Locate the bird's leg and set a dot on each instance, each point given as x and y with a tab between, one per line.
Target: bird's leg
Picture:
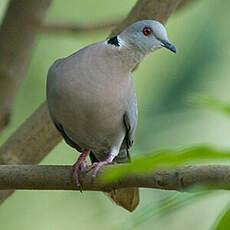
97	165
80	165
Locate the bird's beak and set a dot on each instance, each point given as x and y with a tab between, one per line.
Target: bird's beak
168	45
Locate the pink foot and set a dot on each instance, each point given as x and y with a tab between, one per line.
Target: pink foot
97	165
80	165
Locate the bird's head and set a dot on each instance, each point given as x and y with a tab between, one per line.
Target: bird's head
146	35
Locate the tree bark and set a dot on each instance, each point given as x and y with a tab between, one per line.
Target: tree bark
17	35
159	10
60	27
58	178
36	134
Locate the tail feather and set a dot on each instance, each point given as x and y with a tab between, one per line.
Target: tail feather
128	198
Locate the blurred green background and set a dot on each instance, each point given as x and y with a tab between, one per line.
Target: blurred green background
164	84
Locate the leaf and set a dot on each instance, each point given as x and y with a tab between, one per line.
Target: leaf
166	159
210	102
223	220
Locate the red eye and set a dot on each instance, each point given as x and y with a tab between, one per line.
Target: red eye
147	31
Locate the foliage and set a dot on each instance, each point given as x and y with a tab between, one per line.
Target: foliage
223	220
168	158
211	103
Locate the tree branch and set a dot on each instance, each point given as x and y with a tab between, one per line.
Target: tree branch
36	135
58	178
159	10
60	27
17	36
54	27
145	9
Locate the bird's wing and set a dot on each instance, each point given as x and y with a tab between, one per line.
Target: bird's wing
130	122
53	71
67	139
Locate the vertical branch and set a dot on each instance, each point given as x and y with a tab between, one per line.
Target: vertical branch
17	35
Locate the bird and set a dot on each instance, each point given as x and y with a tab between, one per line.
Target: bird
92	101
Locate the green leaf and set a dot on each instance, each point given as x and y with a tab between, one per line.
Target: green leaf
166	159
223	220
210	102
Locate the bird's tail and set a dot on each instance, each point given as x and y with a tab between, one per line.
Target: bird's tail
128	198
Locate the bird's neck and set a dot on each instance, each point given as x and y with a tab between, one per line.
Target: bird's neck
128	55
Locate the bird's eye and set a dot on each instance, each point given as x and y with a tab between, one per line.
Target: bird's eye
147	31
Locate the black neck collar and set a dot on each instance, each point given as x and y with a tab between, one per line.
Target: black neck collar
114	41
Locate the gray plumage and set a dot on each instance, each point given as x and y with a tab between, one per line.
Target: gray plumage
90	104
91	95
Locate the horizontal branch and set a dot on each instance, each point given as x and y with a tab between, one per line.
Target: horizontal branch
55	27
58	178
65	27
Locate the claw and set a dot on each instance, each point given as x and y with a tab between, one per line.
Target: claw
79	187
79	166
97	165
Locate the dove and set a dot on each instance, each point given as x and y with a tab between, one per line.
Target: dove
92	101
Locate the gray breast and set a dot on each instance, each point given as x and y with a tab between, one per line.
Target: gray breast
89	100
